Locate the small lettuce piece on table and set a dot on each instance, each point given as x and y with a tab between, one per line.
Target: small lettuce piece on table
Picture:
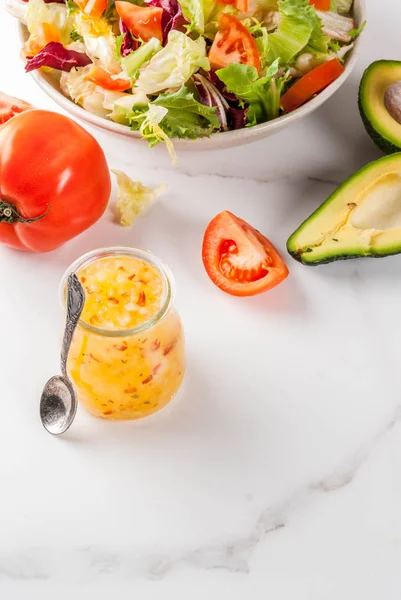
134	198
174	64
261	94
298	25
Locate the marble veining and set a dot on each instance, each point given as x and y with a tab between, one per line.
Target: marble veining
231	555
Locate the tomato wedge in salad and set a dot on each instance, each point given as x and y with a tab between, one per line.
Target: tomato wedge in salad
233	44
239	259
312	83
10	106
144	22
102	78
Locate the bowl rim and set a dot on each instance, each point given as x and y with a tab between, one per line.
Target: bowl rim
219	139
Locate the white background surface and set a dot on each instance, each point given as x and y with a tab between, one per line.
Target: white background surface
277	472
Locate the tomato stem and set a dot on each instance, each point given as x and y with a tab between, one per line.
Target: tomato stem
9	214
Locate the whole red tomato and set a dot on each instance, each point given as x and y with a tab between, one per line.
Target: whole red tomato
54	181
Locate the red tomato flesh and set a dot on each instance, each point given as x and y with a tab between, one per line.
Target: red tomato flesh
312	83
9	107
239	259
321	4
144	22
233	44
102	78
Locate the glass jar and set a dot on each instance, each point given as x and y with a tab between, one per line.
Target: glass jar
127	357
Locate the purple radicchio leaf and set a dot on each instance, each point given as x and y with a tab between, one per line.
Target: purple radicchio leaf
172	16
129	44
229	96
236	117
236	114
209	95
54	55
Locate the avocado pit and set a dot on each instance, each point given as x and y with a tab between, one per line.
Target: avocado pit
392	100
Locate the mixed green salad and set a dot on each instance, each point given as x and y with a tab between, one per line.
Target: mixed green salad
188	68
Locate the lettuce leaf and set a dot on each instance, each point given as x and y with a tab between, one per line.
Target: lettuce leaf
197	13
298	25
186	117
39	12
134	198
90	96
17	8
127	108
171	115
174	64
341	6
262	94
179	114
99	40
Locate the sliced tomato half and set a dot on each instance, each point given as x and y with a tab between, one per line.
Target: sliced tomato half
233	44
239	259
102	78
310	84
9	107
144	22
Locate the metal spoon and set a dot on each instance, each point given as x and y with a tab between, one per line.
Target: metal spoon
58	403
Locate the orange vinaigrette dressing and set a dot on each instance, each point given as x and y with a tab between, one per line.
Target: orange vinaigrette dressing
127	357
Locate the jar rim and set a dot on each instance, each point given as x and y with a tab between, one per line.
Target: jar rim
145	255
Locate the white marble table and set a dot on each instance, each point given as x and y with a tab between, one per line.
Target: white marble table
277	472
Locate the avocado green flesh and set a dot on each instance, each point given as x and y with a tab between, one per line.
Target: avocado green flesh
384	130
361	218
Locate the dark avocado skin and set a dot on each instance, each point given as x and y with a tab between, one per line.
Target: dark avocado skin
381	142
326	261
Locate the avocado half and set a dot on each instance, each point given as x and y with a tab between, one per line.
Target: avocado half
383	128
361	218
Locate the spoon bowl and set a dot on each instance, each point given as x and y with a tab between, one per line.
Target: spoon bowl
58	405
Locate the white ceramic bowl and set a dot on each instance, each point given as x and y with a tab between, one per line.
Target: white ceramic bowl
49	82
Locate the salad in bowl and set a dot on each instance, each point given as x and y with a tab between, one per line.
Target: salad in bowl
188	68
